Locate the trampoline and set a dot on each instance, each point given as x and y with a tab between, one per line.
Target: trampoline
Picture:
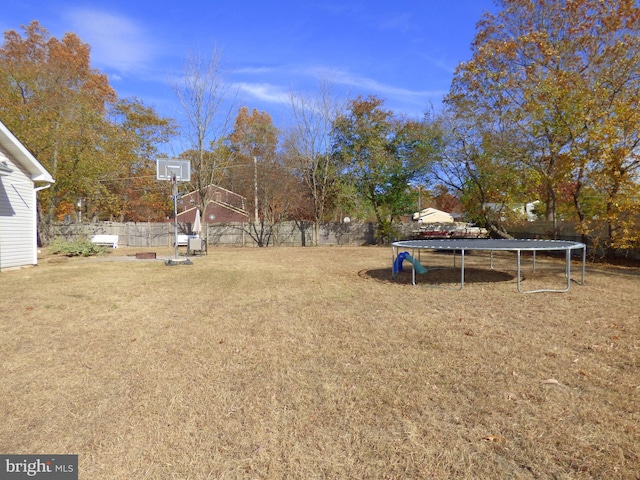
490	245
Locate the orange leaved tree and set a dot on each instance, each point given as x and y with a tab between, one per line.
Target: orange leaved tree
558	83
66	113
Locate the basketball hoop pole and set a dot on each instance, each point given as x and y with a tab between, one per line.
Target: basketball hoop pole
174	182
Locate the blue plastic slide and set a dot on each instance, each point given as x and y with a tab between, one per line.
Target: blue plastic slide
417	266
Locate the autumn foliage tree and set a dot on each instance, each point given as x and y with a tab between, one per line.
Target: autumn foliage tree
477	164
55	103
557	83
129	189
253	141
259	174
382	154
60	108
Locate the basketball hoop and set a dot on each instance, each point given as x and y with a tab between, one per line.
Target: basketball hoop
174	170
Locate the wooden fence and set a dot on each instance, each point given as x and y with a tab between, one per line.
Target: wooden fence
222	234
284	234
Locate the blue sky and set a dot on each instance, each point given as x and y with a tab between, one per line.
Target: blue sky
404	51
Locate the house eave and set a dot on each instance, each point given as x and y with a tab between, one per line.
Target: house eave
18	151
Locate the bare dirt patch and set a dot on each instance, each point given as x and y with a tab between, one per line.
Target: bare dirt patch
313	363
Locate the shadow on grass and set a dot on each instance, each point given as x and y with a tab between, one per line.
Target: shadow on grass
440	275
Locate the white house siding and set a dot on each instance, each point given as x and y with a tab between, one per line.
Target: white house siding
17	216
432	215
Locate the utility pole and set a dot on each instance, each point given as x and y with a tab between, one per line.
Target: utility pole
255	188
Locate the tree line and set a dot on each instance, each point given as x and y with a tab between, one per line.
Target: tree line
545	111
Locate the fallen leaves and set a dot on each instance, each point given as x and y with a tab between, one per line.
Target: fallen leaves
495	439
551	381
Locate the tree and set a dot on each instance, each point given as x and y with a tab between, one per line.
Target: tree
60	108
55	103
258	173
563	79
129	189
202	93
476	163
382	154
444	200
308	148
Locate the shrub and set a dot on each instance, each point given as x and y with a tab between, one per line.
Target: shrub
386	232
75	248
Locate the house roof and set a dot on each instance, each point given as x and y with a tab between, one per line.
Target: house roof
214	187
19	153
430	212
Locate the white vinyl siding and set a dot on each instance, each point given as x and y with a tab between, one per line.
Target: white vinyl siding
17	217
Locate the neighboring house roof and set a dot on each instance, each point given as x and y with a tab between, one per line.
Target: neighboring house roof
433	215
21	155
222	206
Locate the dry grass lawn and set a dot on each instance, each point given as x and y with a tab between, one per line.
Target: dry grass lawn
307	363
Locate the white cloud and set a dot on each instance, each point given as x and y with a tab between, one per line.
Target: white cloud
117	42
364	83
254	70
264	91
278	89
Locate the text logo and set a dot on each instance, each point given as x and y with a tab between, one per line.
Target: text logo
45	467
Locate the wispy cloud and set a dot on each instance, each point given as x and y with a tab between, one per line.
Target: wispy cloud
117	42
254	70
402	23
332	75
277	90
440	63
265	92
368	84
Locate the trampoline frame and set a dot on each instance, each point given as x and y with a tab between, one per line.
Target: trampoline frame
491	245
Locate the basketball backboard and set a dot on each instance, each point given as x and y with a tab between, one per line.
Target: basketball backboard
166	168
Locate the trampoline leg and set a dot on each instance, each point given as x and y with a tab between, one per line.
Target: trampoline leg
518	270
413	268
567	275
534	260
393	261
462	270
